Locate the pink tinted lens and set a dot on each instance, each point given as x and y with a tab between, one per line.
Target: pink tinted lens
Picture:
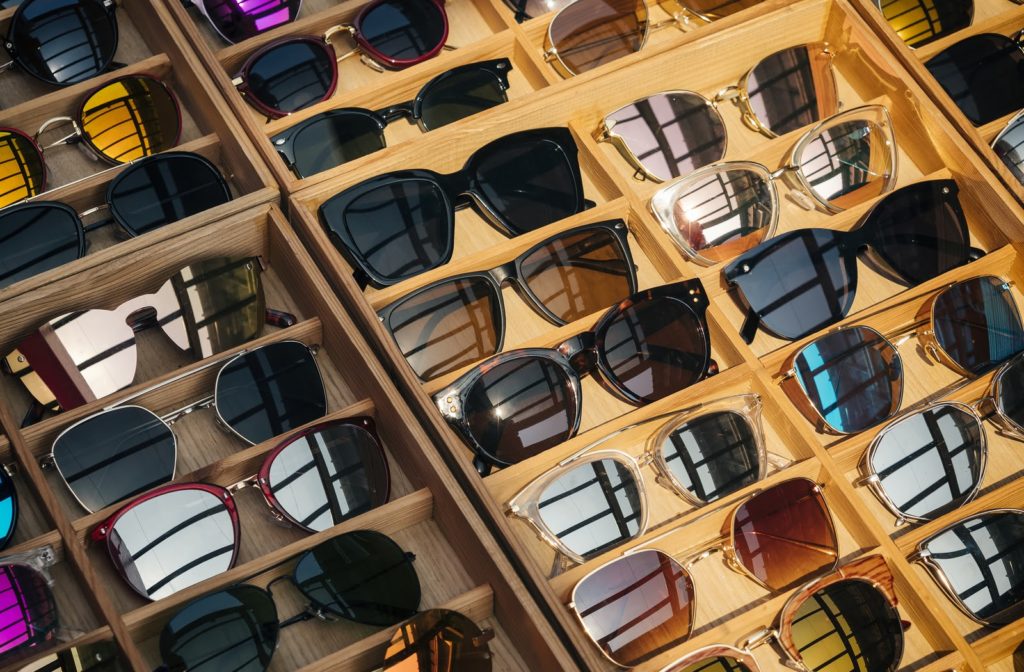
237	20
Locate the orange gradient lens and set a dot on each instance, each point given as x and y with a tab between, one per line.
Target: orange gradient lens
131	118
22	174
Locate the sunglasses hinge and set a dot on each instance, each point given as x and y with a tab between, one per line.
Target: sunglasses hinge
4	67
252	481
46	463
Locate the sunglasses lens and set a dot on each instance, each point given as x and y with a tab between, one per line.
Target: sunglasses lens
463	93
331	139
919	22
980	74
115	455
28	608
270	390
438	639
847	163
329	475
793	88
291	76
1010	394
852	377
977	324
22	174
63	42
931	462
167	542
363	576
130	118
983	561
165	188
713	455
37	237
671	134
593	507
1010	147
239	20
403	31
637	606
8	509
232	629
588	34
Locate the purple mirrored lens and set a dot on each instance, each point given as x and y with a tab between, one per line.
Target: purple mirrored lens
237	20
28	614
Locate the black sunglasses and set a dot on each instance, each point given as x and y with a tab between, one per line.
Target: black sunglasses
805	280
397	225
522	402
983	74
335	137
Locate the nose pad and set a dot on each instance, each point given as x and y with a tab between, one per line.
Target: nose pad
142	319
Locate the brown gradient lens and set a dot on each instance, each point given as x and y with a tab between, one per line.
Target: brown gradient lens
579	274
448	326
636	607
784	534
710	9
590	33
438	639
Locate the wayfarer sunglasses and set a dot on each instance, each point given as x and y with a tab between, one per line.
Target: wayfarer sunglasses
983	75
394	226
919	22
237	20
454	322
520	403
335	137
27	602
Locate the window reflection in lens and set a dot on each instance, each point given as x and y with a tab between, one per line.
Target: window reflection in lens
713	455
793	88
977	324
590	33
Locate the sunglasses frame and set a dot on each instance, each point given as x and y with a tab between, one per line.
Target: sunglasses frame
710	652
201	8
37	561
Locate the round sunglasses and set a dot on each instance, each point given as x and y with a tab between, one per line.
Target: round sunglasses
237	20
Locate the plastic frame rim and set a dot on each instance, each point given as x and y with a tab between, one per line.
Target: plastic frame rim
388	61
241	80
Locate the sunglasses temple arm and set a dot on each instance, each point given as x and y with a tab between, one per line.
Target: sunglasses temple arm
4	67
750	324
280	318
219	361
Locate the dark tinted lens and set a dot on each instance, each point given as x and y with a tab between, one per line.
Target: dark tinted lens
328	475
363	576
164	188
919	22
713	455
114	455
848	163
63	41
8	509
22	173
982	558
448	326
590	33
1010	393
976	322
237	21
270	391
1008	146
982	74
793	88
930	462
671	134
403	29
852	377
798	282
637	606
28	612
233	629
36	237
291	75
438	639
521	407
654	347
593	507
461	93
330	139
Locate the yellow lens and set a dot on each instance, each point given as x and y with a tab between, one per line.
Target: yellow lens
21	168
131	118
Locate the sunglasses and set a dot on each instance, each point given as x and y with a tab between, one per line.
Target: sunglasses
237	20
520	403
9	508
62	42
852	379
919	22
293	73
418	643
205	308
335	137
673	133
454	322
977	563
981	73
802	281
27	602
397	225
1007	146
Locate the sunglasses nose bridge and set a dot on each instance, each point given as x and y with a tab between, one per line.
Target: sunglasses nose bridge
400	111
581	351
68	139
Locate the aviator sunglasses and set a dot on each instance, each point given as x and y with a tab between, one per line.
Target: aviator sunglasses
237	20
983	75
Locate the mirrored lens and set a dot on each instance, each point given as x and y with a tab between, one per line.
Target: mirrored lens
670	134
977	324
37	237
460	93
270	390
982	559
403	30
438	639
593	507
919	22
847	163
719	215
28	612
327	475
238	20
166	542
22	173
712	455
852	377
363	576
636	607
930	462
1009	146
130	118
590	33
8	509
793	88
233	629
114	455
63	42
291	75
981	74
164	188
331	139
1010	393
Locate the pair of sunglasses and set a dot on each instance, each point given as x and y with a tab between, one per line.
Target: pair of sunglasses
454	322
919	22
1008	143
27	602
982	74
335	137
293	73
236	21
125	450
852	379
520	403
805	280
397	225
